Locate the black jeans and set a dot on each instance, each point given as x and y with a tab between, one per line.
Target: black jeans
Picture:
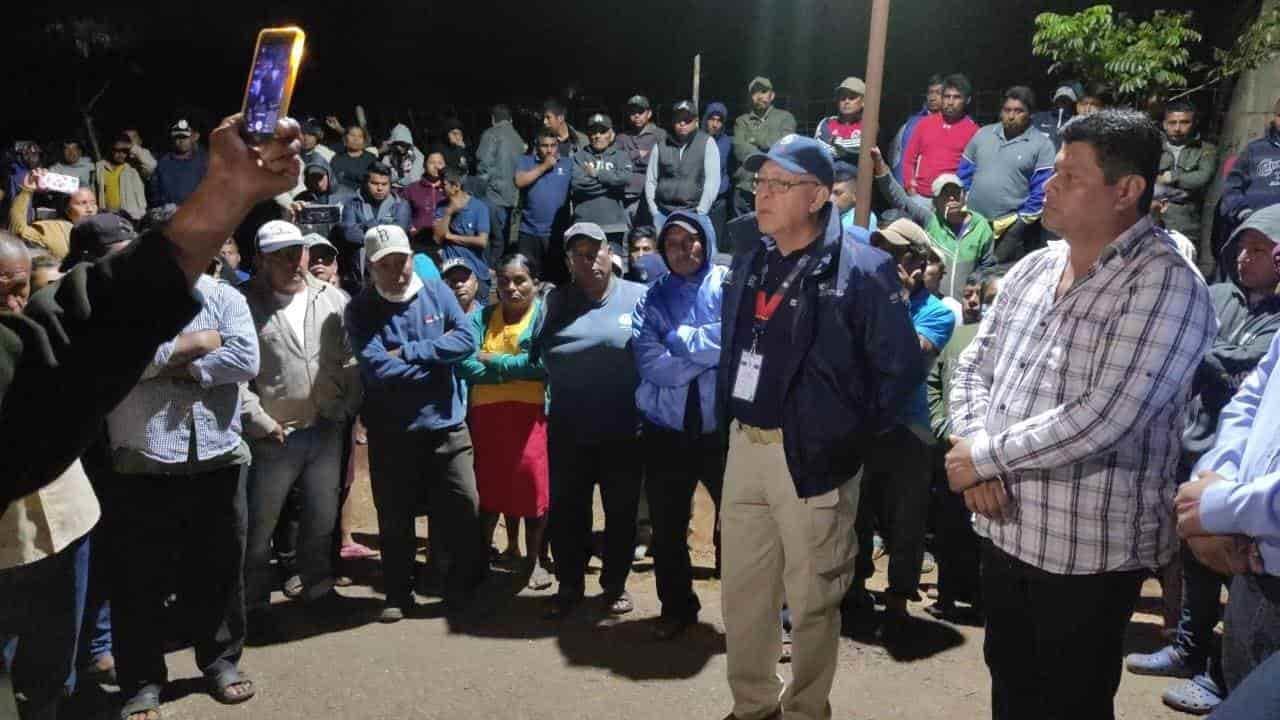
1054	642
402	465
1201	610
188	527
895	500
575	469
955	544
675	465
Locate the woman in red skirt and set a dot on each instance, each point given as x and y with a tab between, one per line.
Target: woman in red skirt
507	417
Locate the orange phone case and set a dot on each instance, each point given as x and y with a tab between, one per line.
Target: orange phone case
296	39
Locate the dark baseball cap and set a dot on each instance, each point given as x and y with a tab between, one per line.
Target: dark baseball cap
684	108
638	102
799	155
600	120
91	237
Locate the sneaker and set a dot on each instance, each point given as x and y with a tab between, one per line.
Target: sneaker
540	578
619	603
1168	661
391	614
670	627
928	564
293	587
560	606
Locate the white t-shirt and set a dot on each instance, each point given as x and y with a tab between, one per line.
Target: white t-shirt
295	315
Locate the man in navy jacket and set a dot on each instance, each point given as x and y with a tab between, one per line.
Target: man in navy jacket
407	335
818	357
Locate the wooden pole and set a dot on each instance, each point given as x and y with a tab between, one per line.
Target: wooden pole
697	78
871	107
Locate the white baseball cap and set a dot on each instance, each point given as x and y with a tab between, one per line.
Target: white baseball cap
278	235
314	239
945	179
383	240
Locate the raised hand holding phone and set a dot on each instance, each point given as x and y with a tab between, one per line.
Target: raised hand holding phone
269	88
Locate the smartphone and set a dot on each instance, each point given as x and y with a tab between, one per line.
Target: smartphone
320	214
55	182
276	58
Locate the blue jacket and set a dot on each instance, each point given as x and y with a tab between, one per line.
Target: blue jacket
676	331
174	180
856	361
724	143
359	214
418	390
1254	181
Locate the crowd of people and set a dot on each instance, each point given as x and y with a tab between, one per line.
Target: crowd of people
1036	364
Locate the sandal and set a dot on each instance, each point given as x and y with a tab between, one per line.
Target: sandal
1197	696
220	686
144	702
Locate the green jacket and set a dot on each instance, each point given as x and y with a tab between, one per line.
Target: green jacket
938	383
1191	174
502	368
757	133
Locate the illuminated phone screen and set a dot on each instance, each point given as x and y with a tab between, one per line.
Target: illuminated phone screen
268	81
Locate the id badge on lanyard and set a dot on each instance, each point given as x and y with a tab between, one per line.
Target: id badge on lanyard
749	364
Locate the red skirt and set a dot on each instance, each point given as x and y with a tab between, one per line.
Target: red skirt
510	440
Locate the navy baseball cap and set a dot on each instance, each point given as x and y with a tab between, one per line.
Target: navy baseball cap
797	154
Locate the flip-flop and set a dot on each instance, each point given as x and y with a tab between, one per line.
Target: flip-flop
146	700
220	686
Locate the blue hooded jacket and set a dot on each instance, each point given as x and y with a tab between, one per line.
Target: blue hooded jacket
724	143
676	336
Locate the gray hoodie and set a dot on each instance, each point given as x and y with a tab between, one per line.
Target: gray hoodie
1244	335
600	197
406	166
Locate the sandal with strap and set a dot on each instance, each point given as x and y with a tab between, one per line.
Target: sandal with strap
221	683
145	701
1197	696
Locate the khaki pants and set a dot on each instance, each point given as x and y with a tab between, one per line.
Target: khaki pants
777	545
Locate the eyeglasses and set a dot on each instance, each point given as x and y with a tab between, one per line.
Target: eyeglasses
777	186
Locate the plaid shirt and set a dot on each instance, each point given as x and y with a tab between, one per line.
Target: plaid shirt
1078	402
159	416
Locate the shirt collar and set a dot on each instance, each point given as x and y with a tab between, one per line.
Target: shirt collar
1128	240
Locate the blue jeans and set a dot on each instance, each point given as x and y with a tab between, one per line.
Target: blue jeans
1257	697
91	591
308	459
1252	628
39	604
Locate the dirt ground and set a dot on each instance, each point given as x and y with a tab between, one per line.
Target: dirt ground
517	665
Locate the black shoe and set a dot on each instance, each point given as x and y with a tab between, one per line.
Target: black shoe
670	627
894	625
560	606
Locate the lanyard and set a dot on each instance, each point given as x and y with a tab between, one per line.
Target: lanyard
765	308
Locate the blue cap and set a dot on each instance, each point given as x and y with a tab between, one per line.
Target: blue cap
799	155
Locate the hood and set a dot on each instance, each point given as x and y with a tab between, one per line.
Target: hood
1265	221
400	133
319	162
703	223
716	108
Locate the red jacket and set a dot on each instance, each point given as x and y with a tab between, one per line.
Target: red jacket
935	148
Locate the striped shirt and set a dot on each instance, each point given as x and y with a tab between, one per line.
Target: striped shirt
160	416
1078	402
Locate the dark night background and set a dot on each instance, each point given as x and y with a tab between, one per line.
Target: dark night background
435	58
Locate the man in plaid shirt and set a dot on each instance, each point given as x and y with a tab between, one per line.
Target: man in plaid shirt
1068	408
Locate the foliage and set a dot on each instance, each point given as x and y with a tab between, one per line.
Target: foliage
1140	60
1133	58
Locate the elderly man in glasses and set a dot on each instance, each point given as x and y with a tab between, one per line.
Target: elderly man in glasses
818	357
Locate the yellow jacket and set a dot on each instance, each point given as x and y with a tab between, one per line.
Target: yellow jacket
53	236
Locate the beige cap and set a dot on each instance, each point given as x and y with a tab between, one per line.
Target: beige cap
904	233
762	82
853	85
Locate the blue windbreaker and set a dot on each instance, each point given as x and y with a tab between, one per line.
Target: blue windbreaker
676	331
